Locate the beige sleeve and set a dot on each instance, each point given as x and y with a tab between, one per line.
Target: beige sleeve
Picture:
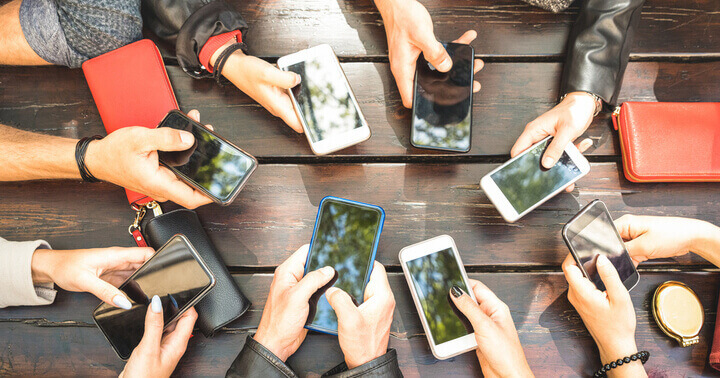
16	284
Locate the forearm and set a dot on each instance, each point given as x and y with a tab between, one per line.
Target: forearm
31	156
707	242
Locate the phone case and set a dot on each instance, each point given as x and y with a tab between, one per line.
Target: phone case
225	302
310	326
131	88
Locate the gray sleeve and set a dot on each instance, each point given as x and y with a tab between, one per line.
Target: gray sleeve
16	284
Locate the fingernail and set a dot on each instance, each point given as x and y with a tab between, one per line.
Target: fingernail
445	65
186	138
602	260
331	290
328	271
122	302
298	79
548	162
456	291
156	305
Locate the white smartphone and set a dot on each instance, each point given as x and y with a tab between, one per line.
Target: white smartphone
324	102
432	268
522	184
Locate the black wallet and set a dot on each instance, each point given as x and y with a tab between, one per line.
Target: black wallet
225	302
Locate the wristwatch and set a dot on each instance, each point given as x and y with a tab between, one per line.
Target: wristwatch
596	98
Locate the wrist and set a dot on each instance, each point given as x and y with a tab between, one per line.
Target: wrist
353	362
706	240
220	50
41	266
588	102
620	349
386	7
93	162
270	344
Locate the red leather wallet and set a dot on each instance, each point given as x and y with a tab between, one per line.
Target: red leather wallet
669	141
131	88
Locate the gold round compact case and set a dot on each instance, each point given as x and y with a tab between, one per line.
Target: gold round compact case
678	312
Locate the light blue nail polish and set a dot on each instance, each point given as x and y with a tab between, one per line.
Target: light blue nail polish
122	302
156	305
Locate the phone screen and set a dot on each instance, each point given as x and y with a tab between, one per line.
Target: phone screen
323	97
594	234
173	274
211	163
432	276
442	106
525	182
345	238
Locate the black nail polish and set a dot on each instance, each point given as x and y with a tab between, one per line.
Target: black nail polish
456	291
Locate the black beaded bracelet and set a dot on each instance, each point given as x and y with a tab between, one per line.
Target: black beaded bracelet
80	151
642	356
222	59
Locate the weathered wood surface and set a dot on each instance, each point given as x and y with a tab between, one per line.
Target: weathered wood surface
62	338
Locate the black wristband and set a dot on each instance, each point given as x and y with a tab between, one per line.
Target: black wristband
643	356
222	59
80	151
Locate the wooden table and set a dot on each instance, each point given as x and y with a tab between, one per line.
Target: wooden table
676	57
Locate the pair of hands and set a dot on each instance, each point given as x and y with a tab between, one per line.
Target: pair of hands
100	272
363	331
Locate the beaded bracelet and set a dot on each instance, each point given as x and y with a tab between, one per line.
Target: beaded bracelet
642	356
80	150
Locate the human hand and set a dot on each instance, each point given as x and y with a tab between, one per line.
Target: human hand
281	328
364	331
565	122
499	350
96	271
409	31
157	355
609	316
128	157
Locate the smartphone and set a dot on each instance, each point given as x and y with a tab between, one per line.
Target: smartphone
591	233
175	273
345	237
324	102
522	184
442	104
431	268
212	165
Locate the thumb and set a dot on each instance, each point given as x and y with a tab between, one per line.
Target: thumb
341	302
106	292
168	139
614	287
556	148
436	54
279	78
154	324
469	308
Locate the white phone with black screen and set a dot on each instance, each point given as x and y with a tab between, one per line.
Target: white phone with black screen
522	183
432	268
324	102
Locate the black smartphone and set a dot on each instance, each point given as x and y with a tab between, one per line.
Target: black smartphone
345	237
212	165
442	103
591	233
175	273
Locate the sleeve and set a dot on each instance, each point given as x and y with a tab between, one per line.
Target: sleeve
599	47
383	366
255	361
16	284
190	24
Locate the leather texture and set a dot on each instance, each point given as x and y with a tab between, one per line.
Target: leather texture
225	302
670	141
255	361
131	88
599	47
189	24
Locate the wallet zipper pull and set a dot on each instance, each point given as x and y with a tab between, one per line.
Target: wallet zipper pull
615	118
155	207
134	229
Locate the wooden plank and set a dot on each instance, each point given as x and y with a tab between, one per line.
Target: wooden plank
57	101
276	211
506	28
62	340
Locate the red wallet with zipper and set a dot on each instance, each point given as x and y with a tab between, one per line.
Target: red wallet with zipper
131	88
669	141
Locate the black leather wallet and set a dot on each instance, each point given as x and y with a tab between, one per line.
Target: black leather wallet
225	302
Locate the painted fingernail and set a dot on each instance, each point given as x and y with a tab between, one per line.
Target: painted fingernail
328	271
186	138
156	305
548	162
445	65
122	302
456	291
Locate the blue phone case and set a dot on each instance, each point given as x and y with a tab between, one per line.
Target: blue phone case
374	251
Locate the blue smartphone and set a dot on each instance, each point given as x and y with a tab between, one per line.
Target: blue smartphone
345	237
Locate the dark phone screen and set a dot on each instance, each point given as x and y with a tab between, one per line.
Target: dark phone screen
594	234
432	276
525	182
443	101
173	274
211	163
324	99
345	240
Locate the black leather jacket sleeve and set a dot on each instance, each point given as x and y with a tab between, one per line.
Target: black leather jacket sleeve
189	24
599	47
383	366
